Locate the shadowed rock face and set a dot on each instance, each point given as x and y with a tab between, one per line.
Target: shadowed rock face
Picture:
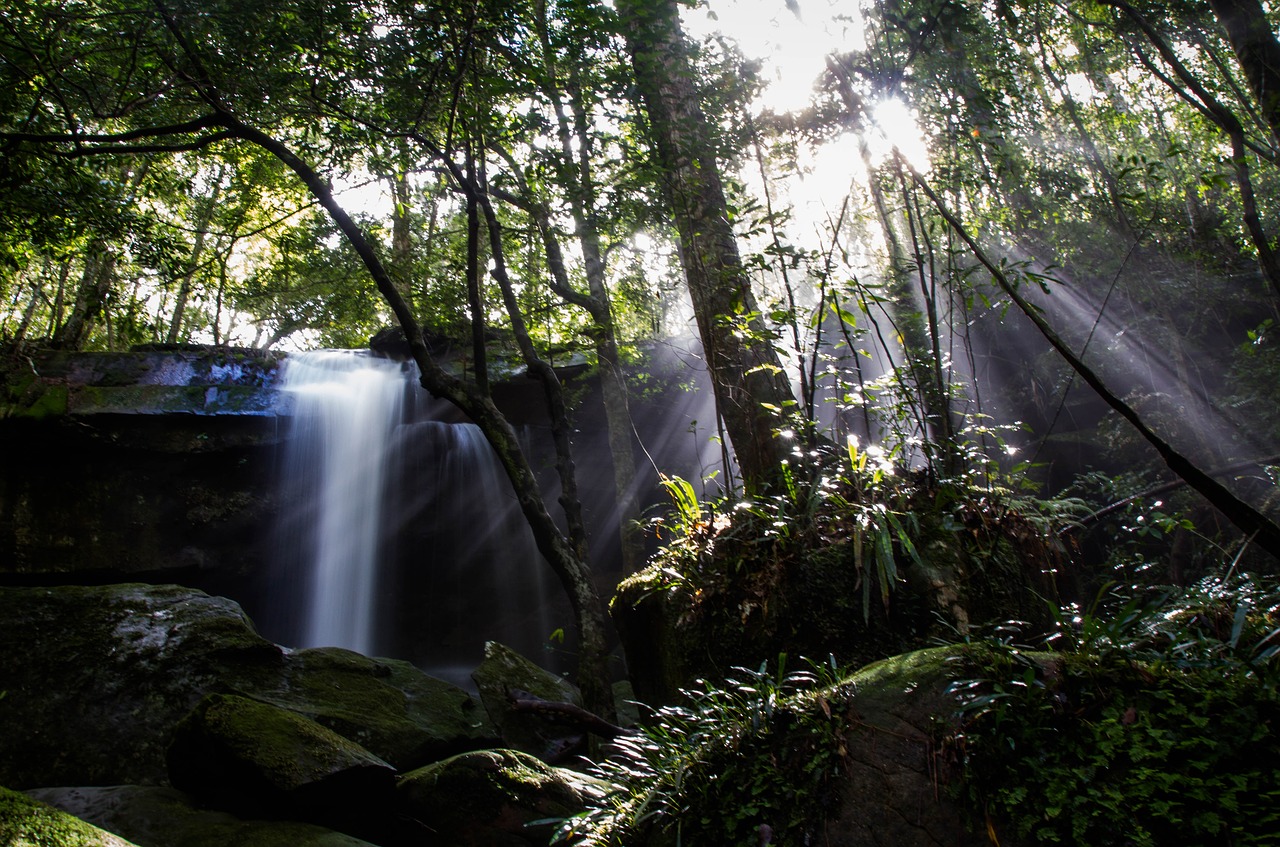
136	464
98	677
135	686
494	797
894	791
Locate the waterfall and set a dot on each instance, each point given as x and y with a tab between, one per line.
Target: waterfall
399	533
346	410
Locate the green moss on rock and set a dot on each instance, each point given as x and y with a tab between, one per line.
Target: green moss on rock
387	706
493	797
165	817
252	755
25	822
106	672
505	671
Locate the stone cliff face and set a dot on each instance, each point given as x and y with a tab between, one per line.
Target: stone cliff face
164	465
129	464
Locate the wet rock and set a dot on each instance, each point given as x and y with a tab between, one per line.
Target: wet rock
153	816
240	754
105	673
26	822
492	798
505	675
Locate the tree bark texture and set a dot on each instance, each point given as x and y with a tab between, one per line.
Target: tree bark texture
1257	50
745	369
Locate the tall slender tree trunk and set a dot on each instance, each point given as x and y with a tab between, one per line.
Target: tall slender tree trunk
581	185
203	218
401	260
91	293
98	276
746	373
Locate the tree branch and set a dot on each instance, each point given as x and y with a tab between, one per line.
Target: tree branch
1246	518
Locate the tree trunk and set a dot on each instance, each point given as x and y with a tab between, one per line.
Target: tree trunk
581	188
401	240
1257	50
746	373
197	251
1255	526
95	282
565	560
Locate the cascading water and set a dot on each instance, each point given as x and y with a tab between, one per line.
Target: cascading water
399	534
346	409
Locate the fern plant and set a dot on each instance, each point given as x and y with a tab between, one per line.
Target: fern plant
752	751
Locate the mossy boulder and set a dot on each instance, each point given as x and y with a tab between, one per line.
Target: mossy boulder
387	706
26	822
492	798
103	673
97	678
855	763
153	816
235	752
505	675
891	790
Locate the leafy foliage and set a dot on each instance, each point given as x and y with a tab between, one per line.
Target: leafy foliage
761	748
1154	723
853	556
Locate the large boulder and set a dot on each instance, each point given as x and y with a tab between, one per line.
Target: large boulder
26	822
890	792
105	672
152	816
504	677
245	755
853	764
492	798
391	708
99	676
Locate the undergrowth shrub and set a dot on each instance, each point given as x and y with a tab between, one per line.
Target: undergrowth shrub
1156	721
762	749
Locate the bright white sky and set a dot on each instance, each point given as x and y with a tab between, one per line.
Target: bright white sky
793	38
793	42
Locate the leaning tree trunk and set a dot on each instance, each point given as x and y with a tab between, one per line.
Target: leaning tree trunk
746	373
564	556
1255	526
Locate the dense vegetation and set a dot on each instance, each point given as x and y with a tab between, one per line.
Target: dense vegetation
1025	347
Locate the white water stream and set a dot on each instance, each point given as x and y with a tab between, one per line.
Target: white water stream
347	408
399	533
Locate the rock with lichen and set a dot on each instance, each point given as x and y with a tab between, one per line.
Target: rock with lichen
156	816
505	676
492	797
99	676
27	822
